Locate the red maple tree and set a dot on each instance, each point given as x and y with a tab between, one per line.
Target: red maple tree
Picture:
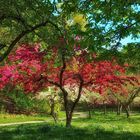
34	70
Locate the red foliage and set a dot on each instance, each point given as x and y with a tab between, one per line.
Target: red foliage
33	70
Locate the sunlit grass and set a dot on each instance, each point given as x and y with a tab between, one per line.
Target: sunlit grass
12	118
100	127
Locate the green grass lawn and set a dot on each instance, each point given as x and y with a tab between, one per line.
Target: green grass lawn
11	118
100	127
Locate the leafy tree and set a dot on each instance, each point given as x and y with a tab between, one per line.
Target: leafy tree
35	70
51	102
101	23
130	54
125	99
15	101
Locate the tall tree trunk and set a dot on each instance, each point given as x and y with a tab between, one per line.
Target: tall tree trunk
68	119
68	109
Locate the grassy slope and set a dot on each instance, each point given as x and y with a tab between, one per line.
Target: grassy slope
100	127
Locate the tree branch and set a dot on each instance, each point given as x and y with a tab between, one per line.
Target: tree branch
2	46
17	39
22	34
62	70
79	93
119	34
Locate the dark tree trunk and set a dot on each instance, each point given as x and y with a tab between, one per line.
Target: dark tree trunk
89	113
104	104
68	120
118	108
127	113
89	110
126	110
69	109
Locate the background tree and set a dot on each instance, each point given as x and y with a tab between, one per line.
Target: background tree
126	99
53	101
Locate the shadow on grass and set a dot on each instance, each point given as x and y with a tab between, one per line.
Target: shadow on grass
59	132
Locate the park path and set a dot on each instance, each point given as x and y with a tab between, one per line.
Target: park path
80	115
19	123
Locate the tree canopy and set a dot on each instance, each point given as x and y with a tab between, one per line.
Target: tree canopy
101	23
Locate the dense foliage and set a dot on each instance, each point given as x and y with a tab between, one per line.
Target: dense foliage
34	70
102	23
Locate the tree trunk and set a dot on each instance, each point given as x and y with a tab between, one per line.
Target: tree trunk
53	113
68	119
127	113
104	104
68	111
126	110
89	113
70	108
118	108
129	109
